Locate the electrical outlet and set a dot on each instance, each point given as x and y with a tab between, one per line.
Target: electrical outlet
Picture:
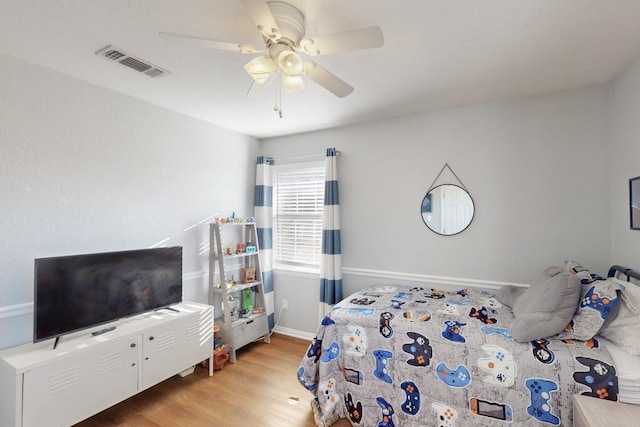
285	304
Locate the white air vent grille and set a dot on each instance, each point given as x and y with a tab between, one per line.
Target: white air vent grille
121	57
165	341
109	363
59	381
193	330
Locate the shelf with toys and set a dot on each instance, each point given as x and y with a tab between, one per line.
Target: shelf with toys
235	288
233	243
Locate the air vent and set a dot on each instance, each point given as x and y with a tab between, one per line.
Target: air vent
137	64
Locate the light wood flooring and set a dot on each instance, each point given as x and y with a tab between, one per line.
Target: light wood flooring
260	390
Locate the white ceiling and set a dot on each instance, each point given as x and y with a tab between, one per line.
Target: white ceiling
437	53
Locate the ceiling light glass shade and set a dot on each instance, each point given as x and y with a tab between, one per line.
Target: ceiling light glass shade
290	62
292	83
260	68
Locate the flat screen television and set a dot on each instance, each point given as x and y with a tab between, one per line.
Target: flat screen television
77	292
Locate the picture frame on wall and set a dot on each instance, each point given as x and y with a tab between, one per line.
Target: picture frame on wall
634	202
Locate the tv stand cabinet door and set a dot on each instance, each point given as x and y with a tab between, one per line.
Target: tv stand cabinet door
67	391
172	348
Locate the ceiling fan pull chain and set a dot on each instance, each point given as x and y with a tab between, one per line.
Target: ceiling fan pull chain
278	107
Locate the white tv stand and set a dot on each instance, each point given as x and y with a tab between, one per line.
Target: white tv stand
85	373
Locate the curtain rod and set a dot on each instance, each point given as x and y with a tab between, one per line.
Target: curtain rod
308	156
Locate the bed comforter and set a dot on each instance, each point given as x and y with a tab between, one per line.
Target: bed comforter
399	356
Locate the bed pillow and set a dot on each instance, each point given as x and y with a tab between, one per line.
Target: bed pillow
624	330
598	300
508	294
582	273
545	307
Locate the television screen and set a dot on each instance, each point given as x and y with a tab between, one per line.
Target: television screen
81	291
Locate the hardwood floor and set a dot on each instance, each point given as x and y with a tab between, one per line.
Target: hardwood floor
260	390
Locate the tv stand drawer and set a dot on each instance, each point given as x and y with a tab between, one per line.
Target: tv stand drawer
250	330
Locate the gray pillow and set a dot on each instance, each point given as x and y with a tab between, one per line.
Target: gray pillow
508	294
546	307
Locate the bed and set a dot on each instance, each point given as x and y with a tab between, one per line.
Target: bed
410	356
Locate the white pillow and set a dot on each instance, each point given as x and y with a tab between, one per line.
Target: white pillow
627	366
624	330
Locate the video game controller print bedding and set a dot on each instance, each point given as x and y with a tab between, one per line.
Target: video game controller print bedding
406	356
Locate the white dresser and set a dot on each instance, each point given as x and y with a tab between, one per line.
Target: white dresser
591	412
85	374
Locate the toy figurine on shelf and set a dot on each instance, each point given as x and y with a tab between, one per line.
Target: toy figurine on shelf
232	282
248	275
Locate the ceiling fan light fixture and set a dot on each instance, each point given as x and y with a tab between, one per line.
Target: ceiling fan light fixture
260	68
290	62
260	78
292	83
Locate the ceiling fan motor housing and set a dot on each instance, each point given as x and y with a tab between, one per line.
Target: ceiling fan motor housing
289	19
290	22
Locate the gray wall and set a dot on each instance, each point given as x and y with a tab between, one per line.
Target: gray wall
84	169
624	145
537	169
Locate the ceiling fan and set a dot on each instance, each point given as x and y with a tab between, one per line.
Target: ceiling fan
282	28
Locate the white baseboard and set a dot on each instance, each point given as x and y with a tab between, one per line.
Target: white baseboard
294	333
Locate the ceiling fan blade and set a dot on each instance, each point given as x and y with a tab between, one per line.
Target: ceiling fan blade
327	80
208	43
263	18
365	38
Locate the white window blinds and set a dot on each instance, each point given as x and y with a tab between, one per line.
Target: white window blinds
298	203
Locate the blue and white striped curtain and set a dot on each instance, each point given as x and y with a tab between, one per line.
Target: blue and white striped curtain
331	258
262	211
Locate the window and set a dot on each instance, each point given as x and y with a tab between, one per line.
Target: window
298	194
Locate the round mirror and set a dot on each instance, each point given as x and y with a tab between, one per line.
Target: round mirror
447	209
